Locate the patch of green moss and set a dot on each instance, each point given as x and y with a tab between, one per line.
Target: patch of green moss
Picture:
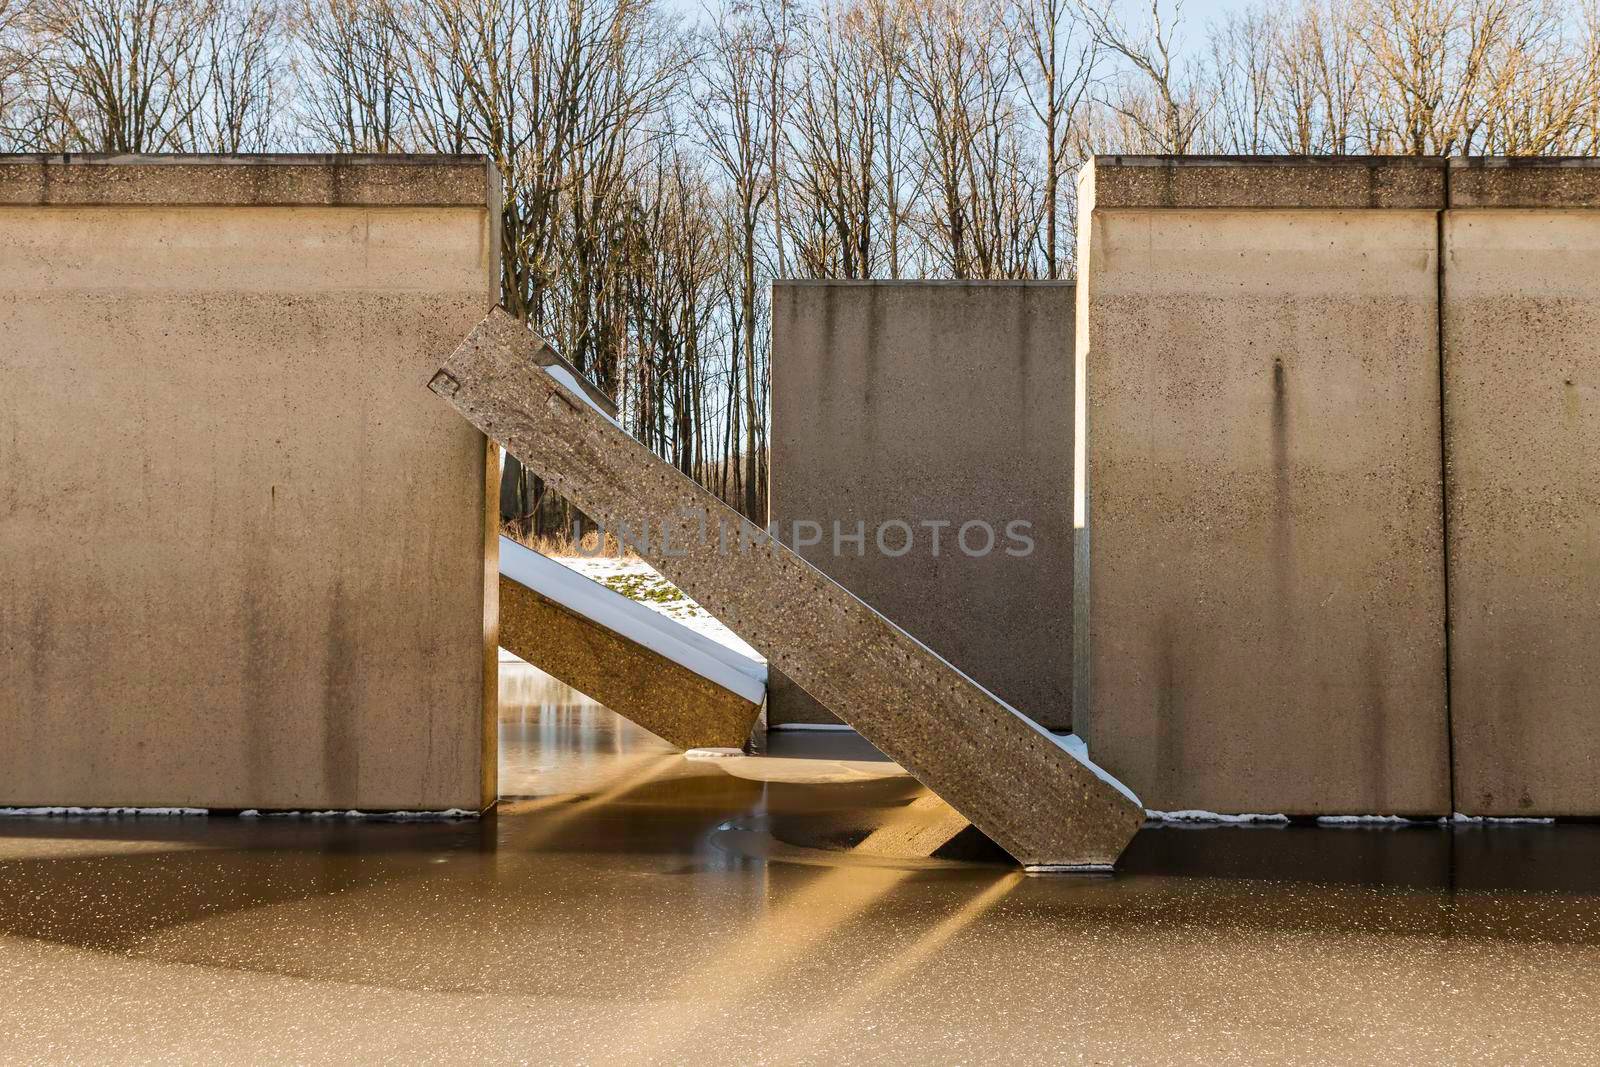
645	588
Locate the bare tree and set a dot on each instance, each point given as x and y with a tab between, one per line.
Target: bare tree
350	64
833	144
240	88
15	60
1245	75
735	128
1157	101
967	125
118	75
1057	65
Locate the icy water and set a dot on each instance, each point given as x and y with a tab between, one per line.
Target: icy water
627	906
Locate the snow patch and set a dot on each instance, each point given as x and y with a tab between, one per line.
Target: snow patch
1497	820
1195	815
679	608
1078	749
372	816
1364	820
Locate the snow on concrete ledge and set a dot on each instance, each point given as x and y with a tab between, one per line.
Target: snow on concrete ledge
693	651
445	815
76	812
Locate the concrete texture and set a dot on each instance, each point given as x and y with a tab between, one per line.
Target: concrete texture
671	701
248	562
1522	423
252	180
1524	182
1260	490
1266	182
934	402
1012	780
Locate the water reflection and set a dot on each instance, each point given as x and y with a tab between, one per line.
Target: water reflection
555	740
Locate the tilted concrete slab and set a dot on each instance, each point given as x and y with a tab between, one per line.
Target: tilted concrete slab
1015	782
640	664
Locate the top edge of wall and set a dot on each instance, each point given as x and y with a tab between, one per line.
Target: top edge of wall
1536	182
1264	182
1414	182
249	180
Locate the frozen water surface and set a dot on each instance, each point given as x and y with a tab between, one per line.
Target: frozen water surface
628	905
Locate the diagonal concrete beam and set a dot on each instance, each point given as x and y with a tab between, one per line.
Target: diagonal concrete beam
1014	781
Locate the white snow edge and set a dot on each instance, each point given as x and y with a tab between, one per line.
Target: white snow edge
696	652
562	375
1196	815
1074	746
832	727
373	816
74	810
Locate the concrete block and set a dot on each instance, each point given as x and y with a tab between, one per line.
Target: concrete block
934	405
637	682
245	563
1260	489
1014	781
1522	424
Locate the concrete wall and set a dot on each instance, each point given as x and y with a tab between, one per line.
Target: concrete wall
923	402
1522	422
1264	611
247	556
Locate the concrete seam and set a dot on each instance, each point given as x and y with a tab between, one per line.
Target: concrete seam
1444	489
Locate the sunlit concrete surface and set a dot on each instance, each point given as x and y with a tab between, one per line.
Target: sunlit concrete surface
628	905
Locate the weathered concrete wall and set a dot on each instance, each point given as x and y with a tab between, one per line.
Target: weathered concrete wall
1261	484
929	402
247	557
1522	424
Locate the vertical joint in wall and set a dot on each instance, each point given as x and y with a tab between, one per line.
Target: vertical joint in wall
1440	253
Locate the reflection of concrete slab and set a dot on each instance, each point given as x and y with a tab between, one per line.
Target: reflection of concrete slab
789	770
1017	783
679	685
